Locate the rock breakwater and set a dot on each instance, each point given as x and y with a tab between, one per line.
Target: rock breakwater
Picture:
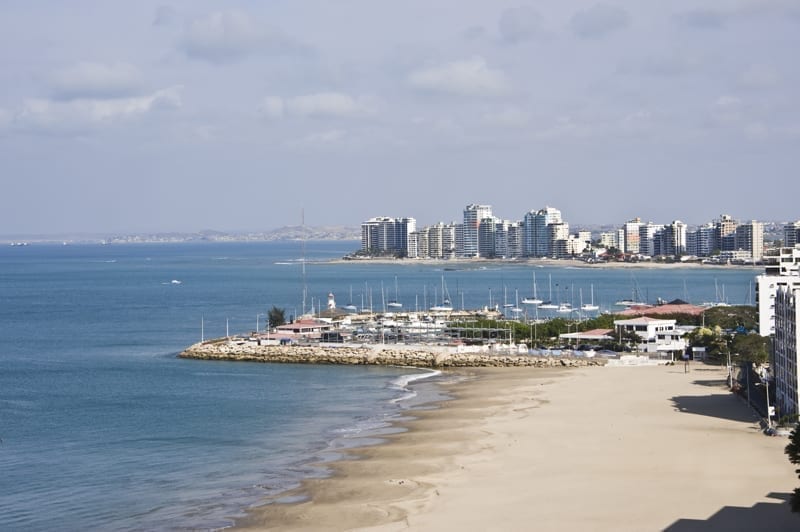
380	355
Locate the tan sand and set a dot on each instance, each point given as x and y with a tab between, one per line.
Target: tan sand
629	448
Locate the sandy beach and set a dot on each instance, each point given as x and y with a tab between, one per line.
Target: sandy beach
614	448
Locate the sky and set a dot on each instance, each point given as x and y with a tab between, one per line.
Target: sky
126	117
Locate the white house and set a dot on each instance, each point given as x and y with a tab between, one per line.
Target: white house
657	336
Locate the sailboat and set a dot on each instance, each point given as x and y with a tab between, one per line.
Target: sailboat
549	303
515	309
589	306
506	304
445	306
350	307
635	297
394	303
533	300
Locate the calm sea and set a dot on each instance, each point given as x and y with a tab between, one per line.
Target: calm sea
103	428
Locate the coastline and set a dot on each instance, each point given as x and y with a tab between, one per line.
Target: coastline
640	448
461	263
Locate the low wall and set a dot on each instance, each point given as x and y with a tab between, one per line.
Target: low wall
385	355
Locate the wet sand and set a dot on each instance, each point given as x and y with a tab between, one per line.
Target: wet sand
628	448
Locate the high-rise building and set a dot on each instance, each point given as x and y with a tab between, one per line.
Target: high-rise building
791	234
631	236
701	241
536	232
647	238
473	214
486	237
750	237
786	349
387	235
726	233
783	272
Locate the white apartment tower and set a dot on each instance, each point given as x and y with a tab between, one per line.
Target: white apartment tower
791	234
473	214
786	349
750	237
631	233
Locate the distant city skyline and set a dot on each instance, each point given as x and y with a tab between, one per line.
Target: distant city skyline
238	116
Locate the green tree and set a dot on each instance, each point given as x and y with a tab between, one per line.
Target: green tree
793	451
751	347
277	316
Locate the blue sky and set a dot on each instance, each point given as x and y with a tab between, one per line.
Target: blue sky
182	116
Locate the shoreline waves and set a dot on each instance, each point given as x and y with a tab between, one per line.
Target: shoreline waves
646	448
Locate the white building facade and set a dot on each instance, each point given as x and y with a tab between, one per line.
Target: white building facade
786	349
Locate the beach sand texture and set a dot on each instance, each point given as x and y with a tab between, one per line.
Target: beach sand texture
625	448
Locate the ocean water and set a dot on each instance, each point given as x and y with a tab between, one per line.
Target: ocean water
102	427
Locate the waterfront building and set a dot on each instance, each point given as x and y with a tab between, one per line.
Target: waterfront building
786	349
585	238
647	238
486	236
507	239
670	240
473	214
537	240
383	234
631	236
726	233
608	239
781	272
656	335
750	238
514	240
701	241
791	234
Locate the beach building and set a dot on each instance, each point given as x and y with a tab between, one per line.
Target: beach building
383	234
537	241
786	349
631	236
750	238
657	335
791	234
781	272
473	214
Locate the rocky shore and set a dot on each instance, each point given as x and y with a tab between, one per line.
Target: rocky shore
380	355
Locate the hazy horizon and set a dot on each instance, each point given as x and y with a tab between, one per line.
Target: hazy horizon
178	116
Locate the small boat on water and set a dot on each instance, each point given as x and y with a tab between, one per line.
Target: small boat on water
589	307
549	305
534	299
395	303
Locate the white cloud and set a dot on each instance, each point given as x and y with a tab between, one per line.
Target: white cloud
598	21
96	80
520	24
317	105
227	36
471	77
77	115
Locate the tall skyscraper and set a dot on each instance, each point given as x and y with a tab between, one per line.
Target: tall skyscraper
473	214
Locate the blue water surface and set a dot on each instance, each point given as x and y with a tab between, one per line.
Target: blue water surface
103	427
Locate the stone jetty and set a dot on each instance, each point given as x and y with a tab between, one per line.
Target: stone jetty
422	356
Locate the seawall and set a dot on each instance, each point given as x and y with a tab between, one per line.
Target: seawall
380	355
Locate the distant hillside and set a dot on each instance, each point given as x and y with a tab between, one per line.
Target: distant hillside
292	232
